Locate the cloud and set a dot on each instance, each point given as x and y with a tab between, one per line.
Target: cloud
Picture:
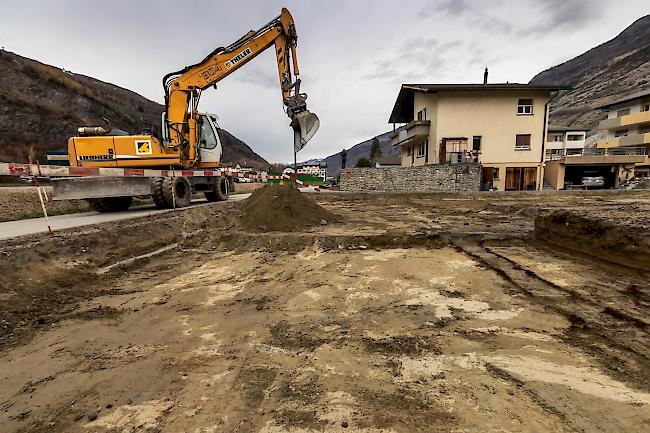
565	15
454	8
416	59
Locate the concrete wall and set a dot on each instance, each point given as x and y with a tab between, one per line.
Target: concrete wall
430	178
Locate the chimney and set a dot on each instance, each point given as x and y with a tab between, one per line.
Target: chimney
485	75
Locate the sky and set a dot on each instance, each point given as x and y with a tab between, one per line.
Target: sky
353	54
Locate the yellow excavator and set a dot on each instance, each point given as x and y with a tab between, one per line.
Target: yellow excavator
188	139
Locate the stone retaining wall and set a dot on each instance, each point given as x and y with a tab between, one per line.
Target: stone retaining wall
429	178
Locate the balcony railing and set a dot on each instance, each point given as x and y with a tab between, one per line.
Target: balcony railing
592	151
463	157
416	131
625	121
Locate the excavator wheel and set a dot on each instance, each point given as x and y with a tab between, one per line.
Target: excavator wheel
110	204
220	190
171	191
157	194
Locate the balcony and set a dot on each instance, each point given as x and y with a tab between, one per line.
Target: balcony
575	144
625	141
625	121
613	155
554	145
412	133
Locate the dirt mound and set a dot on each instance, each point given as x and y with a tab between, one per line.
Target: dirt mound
283	208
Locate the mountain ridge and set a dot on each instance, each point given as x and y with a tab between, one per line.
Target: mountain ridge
42	105
607	72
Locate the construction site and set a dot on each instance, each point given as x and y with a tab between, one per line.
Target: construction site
379	313
472	270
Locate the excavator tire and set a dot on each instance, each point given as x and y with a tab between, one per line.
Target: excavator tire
110	204
220	190
177	191
157	195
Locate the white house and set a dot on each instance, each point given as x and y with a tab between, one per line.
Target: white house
562	141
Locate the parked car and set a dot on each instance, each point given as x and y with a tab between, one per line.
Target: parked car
593	181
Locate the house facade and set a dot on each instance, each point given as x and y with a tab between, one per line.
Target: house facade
501	126
627	124
562	141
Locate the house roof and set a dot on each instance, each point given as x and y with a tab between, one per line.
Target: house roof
403	108
558	128
628	98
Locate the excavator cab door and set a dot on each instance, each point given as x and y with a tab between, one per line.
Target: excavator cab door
209	142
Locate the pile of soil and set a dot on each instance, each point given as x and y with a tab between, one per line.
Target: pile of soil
283	208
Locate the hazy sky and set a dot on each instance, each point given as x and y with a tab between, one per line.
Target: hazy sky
353	54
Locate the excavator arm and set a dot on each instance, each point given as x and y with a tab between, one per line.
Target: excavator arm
183	88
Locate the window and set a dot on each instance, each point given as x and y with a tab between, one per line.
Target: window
575	137
645	107
621	113
525	107
621	133
409	151
558	138
208	140
476	143
422	149
495	174
523	142
422	114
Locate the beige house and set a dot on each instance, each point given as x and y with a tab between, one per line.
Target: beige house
500	126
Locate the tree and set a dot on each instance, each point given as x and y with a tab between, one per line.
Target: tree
375	150
363	162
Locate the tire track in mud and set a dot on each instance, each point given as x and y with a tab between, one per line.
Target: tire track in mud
501	374
600	331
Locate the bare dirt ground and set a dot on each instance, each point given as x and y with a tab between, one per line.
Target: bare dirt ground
416	313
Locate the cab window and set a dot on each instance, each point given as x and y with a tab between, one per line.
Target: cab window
207	139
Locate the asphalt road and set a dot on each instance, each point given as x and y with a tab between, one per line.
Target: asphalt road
12	229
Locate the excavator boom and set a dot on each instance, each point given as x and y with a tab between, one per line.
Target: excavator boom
183	88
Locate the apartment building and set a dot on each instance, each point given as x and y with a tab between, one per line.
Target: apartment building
562	141
628	123
501	126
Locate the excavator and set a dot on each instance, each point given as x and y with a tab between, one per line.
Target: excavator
188	139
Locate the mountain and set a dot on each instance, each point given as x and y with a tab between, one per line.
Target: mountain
361	150
41	106
607	72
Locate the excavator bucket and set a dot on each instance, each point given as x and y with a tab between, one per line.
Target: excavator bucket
304	124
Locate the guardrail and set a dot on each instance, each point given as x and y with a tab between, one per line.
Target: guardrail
15	169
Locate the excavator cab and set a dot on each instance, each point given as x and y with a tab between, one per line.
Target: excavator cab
209	138
210	148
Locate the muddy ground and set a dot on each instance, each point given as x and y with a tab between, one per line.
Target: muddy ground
416	313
